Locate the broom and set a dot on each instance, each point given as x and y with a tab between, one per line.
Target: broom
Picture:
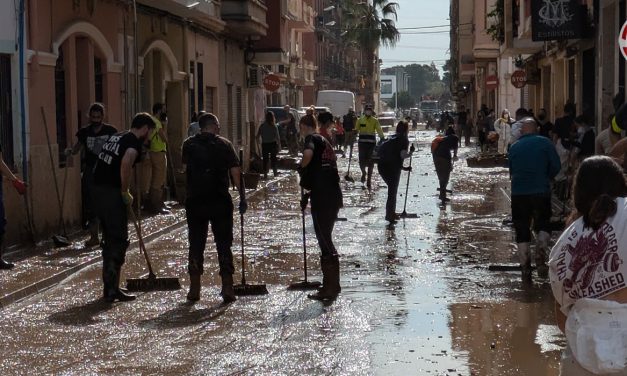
304	284
405	214
150	282
348	176
244	288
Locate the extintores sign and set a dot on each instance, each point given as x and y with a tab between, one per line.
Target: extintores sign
556	20
519	79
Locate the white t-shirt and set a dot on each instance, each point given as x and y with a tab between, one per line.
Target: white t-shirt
590	264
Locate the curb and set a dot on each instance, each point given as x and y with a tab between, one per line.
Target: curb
55	279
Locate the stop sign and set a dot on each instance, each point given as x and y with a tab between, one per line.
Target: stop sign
491	82
519	79
272	82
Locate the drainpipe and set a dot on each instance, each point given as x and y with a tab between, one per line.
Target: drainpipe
136	53
22	92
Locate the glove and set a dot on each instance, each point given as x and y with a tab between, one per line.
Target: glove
19	186
304	201
68	152
412	148
127	198
408	168
455	158
243	206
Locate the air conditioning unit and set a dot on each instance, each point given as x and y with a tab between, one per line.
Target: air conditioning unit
254	76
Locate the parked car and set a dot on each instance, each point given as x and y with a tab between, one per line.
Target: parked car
387	118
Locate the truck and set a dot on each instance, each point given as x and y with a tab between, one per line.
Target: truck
428	110
337	100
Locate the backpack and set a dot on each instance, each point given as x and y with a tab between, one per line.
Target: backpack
436	143
384	149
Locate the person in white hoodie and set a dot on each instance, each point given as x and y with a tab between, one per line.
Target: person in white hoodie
503	126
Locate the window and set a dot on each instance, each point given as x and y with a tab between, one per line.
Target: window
192	92
6	111
59	90
209	95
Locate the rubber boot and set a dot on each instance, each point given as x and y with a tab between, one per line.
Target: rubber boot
524	257
228	293
194	288
330	279
4	265
542	250
93	231
443	197
111	278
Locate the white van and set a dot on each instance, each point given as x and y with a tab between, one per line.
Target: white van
337	100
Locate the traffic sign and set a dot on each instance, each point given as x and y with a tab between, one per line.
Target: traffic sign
272	82
519	79
491	82
622	40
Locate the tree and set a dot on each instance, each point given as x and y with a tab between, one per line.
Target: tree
405	100
372	26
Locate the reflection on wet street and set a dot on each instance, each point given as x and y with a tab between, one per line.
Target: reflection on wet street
416	298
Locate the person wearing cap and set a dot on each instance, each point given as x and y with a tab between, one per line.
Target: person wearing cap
367	127
533	163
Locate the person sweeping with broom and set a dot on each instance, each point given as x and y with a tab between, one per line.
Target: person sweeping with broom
210	159
112	199
20	187
392	153
319	176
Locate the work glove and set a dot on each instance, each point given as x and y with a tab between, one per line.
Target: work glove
68	152
127	198
408	168
304	200
19	186
455	158
243	206
412	148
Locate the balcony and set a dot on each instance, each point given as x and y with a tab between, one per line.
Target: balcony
301	16
245	17
203	12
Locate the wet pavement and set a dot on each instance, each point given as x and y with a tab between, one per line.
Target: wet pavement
417	298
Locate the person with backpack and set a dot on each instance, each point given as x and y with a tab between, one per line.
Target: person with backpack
392	152
210	160
441	148
320	177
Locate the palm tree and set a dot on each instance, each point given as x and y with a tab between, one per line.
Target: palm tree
371	25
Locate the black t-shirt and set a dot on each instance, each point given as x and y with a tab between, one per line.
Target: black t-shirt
390	150
93	142
563	127
546	129
461	119
323	154
445	146
208	158
348	122
107	168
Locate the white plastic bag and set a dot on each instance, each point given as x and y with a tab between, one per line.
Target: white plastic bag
596	331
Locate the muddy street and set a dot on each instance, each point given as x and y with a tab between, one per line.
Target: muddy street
417	298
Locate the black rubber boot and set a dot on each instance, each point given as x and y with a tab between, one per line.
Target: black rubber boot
330	279
4	265
111	279
227	293
194	288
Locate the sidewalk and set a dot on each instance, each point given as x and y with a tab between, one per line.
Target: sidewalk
40	267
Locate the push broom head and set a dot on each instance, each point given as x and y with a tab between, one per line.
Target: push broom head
246	289
349	178
60	241
152	283
408	215
304	285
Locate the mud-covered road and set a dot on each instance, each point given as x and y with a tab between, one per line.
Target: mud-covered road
417	299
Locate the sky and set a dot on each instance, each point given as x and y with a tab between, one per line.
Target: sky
420	46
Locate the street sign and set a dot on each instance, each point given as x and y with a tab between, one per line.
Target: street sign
491	82
272	82
622	40
519	79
